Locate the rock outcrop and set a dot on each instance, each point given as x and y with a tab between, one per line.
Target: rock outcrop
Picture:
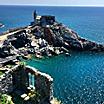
52	38
6	84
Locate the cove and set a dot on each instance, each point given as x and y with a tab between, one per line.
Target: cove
78	79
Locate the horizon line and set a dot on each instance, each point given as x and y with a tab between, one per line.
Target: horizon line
52	5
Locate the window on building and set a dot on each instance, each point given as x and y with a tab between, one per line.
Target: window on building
31	80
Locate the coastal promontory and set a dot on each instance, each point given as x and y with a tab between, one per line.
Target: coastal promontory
44	37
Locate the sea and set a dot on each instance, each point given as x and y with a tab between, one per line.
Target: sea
79	78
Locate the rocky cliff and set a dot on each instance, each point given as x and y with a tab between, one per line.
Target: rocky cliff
45	40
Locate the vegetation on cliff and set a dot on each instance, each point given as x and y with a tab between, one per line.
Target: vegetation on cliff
44	37
5	99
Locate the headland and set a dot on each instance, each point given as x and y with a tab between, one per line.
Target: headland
43	37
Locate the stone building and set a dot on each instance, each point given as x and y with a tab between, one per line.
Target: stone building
43	20
30	84
47	20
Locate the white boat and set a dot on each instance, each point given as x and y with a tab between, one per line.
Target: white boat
67	54
1	25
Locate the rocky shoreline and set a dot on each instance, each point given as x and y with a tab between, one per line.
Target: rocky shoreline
44	37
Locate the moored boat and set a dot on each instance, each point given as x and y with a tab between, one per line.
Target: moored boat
1	25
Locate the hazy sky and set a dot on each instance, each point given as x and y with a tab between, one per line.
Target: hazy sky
53	2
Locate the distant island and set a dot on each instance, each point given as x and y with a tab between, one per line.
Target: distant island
44	37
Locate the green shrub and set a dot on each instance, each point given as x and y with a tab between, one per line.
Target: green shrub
3	99
1	72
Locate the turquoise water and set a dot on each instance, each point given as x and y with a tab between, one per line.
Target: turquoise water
79	78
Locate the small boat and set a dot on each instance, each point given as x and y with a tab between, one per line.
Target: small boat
1	25
67	54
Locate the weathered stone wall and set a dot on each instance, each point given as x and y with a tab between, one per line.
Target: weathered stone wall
6	85
43	84
18	79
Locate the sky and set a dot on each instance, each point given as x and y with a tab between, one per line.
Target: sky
54	2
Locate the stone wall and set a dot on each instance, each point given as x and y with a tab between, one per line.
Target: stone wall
18	79
6	85
43	84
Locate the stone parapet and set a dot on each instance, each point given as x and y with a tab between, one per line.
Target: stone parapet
6	84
